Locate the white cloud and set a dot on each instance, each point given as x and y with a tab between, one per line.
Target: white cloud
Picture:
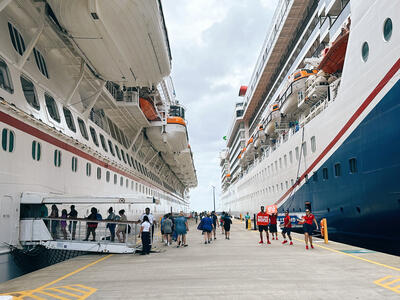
214	44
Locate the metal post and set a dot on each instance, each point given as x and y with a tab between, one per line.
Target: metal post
79	230
325	230
213	195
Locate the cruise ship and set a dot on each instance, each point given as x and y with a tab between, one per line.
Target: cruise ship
316	127
88	112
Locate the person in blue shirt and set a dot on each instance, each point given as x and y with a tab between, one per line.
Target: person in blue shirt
206	225
181	228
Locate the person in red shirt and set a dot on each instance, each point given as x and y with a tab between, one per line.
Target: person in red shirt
287	228
272	226
308	219
262	223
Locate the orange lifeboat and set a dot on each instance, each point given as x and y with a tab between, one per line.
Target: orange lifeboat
333	57
176	120
148	109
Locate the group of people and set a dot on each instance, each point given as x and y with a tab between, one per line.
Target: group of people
174	228
209	222
268	223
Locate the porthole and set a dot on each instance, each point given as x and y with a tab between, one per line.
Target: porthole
365	51
115	179
74	164
7	140
121	181
387	29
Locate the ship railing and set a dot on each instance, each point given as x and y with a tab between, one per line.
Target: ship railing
339	21
80	230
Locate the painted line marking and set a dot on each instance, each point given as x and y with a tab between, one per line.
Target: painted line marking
354	256
388	284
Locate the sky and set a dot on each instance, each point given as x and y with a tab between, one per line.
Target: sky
215	45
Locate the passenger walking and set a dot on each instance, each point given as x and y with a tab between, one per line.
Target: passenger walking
206	225
63	223
122	227
145	235
168	229
273	225
309	219
91	226
262	223
73	214
227	226
287	228
54	223
181	228
221	220
247	219
196	216
215	223
162	227
111	226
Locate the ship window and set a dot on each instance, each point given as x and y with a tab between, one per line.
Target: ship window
16	39
52	107
276	166
103	142
40	62
281	186
7	140
287	184
117	150
108	176
353	165
131	185
365	51
315	176
5	78
292	181
123	155
88	169
57	158
98	173
69	119
94	136
74	163
30	93
297	75
291	157
280	163
121	181
304	149
325	173
337	169
115	179
126	183
387	29
110	145
313	144
129	159
297	153
36	150
82	128
285	160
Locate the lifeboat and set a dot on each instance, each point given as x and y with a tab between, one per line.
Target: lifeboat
273	119
124	41
148	109
295	90
333	57
317	88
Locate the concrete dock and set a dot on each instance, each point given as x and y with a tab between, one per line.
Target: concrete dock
235	268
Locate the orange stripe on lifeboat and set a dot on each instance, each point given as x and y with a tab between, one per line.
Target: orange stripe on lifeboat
176	120
148	109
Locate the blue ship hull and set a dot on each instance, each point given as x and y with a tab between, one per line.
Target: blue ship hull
362	208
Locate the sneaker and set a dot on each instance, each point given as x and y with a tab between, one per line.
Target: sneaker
306	247
185	245
261	242
268	242
215	238
228	238
179	243
312	247
205	242
291	243
276	238
273	238
284	242
177	246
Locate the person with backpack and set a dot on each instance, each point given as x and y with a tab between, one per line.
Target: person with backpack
111	226
206	225
227	226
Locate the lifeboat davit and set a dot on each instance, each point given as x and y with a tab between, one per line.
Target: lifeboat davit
295	90
333	57
148	109
124	41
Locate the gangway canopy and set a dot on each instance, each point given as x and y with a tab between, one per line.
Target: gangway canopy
45	198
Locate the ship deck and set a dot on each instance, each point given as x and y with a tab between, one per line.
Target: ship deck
234	268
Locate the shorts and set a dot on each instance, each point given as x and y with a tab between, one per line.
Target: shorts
308	228
272	228
262	228
286	230
227	227
206	230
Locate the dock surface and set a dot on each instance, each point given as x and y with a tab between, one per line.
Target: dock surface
235	268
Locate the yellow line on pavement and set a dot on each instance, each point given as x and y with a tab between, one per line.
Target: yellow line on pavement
354	256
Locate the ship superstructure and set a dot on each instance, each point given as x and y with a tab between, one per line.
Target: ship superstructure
88	110
318	118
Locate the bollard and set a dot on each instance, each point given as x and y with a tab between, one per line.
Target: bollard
249	224
241	219
255	223
324	230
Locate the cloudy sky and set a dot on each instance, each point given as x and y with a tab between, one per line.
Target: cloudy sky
215	45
